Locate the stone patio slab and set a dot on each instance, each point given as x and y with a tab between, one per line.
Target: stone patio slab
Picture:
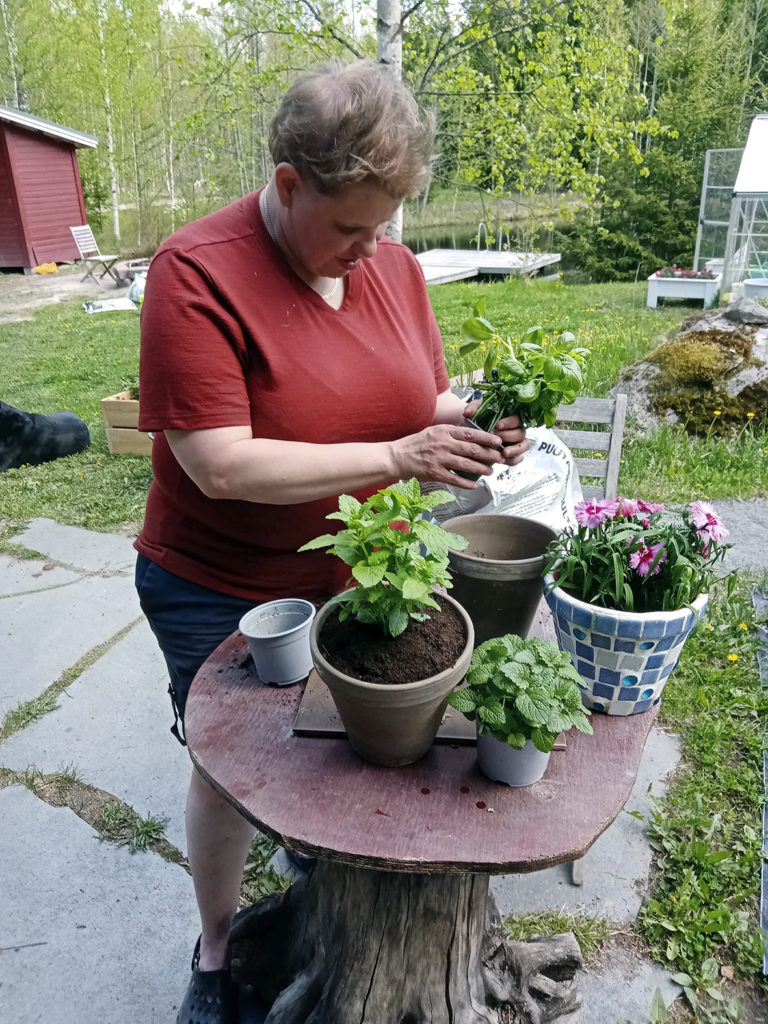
86	549
46	631
112	726
615	868
90	934
21	575
622	990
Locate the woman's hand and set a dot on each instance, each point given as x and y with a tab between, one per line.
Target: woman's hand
437	452
510	430
512	433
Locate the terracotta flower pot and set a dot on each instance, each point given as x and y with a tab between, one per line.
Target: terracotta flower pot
498	578
391	725
624	658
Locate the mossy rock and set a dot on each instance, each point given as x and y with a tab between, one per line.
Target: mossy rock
711	380
701	357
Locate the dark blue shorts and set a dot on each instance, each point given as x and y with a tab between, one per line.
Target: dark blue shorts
189	621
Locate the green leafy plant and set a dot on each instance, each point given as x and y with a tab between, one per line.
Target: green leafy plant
397	557
522	689
529	377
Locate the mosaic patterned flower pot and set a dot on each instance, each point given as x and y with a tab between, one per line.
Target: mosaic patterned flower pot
624	658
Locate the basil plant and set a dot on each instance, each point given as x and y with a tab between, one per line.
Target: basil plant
529	377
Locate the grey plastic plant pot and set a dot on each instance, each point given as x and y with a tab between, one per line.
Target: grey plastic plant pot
278	639
502	763
391	725
498	577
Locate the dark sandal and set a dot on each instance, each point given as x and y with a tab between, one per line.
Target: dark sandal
209	998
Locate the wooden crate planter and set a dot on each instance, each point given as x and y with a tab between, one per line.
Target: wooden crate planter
121	418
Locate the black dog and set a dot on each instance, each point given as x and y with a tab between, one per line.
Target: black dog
27	438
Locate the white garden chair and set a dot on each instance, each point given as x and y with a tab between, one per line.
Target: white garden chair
91	255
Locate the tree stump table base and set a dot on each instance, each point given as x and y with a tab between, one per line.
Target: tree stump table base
350	945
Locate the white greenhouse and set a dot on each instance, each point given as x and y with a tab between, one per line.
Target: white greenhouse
746	247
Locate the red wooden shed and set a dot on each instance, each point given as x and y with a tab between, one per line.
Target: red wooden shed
41	196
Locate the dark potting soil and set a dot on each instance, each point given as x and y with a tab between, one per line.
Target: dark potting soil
423	650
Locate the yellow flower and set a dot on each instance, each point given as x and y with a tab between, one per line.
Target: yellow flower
733	657
743	625
708	626
716	412
750	415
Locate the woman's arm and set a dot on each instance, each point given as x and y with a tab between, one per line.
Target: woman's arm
228	462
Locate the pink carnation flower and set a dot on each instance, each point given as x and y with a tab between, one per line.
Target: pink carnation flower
595	511
648	507
709	525
643	559
628	507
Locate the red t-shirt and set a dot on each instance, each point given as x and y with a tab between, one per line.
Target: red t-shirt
231	336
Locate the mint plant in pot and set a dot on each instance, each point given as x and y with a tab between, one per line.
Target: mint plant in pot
522	693
626	587
391	647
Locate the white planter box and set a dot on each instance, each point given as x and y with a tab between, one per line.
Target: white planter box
756	287
705	288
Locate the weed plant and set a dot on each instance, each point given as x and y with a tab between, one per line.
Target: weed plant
259	877
591	932
704	901
120	824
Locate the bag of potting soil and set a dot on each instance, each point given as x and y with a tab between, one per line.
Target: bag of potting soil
544	486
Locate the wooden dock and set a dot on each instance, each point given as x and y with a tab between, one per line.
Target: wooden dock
443	265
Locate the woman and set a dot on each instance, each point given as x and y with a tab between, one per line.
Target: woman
289	355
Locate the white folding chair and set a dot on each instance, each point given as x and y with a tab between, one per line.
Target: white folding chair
91	256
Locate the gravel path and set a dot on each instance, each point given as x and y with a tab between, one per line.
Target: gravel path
22	294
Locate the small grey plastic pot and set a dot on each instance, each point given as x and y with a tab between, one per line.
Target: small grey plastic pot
278	639
391	725
498	577
502	763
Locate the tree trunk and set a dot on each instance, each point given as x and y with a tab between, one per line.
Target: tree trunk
113	185
358	946
19	96
389	47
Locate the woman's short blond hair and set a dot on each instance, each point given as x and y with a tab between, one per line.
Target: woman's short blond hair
339	124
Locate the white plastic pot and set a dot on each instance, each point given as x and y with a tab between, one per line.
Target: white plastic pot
278	639
502	763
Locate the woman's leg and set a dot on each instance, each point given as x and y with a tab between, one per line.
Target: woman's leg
218	841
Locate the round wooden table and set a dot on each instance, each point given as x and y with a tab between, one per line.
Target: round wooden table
396	925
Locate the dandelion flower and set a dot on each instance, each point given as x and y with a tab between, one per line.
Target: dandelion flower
750	415
708	626
743	625
716	412
733	657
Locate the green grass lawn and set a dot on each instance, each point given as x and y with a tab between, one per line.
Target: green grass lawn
65	359
706	831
